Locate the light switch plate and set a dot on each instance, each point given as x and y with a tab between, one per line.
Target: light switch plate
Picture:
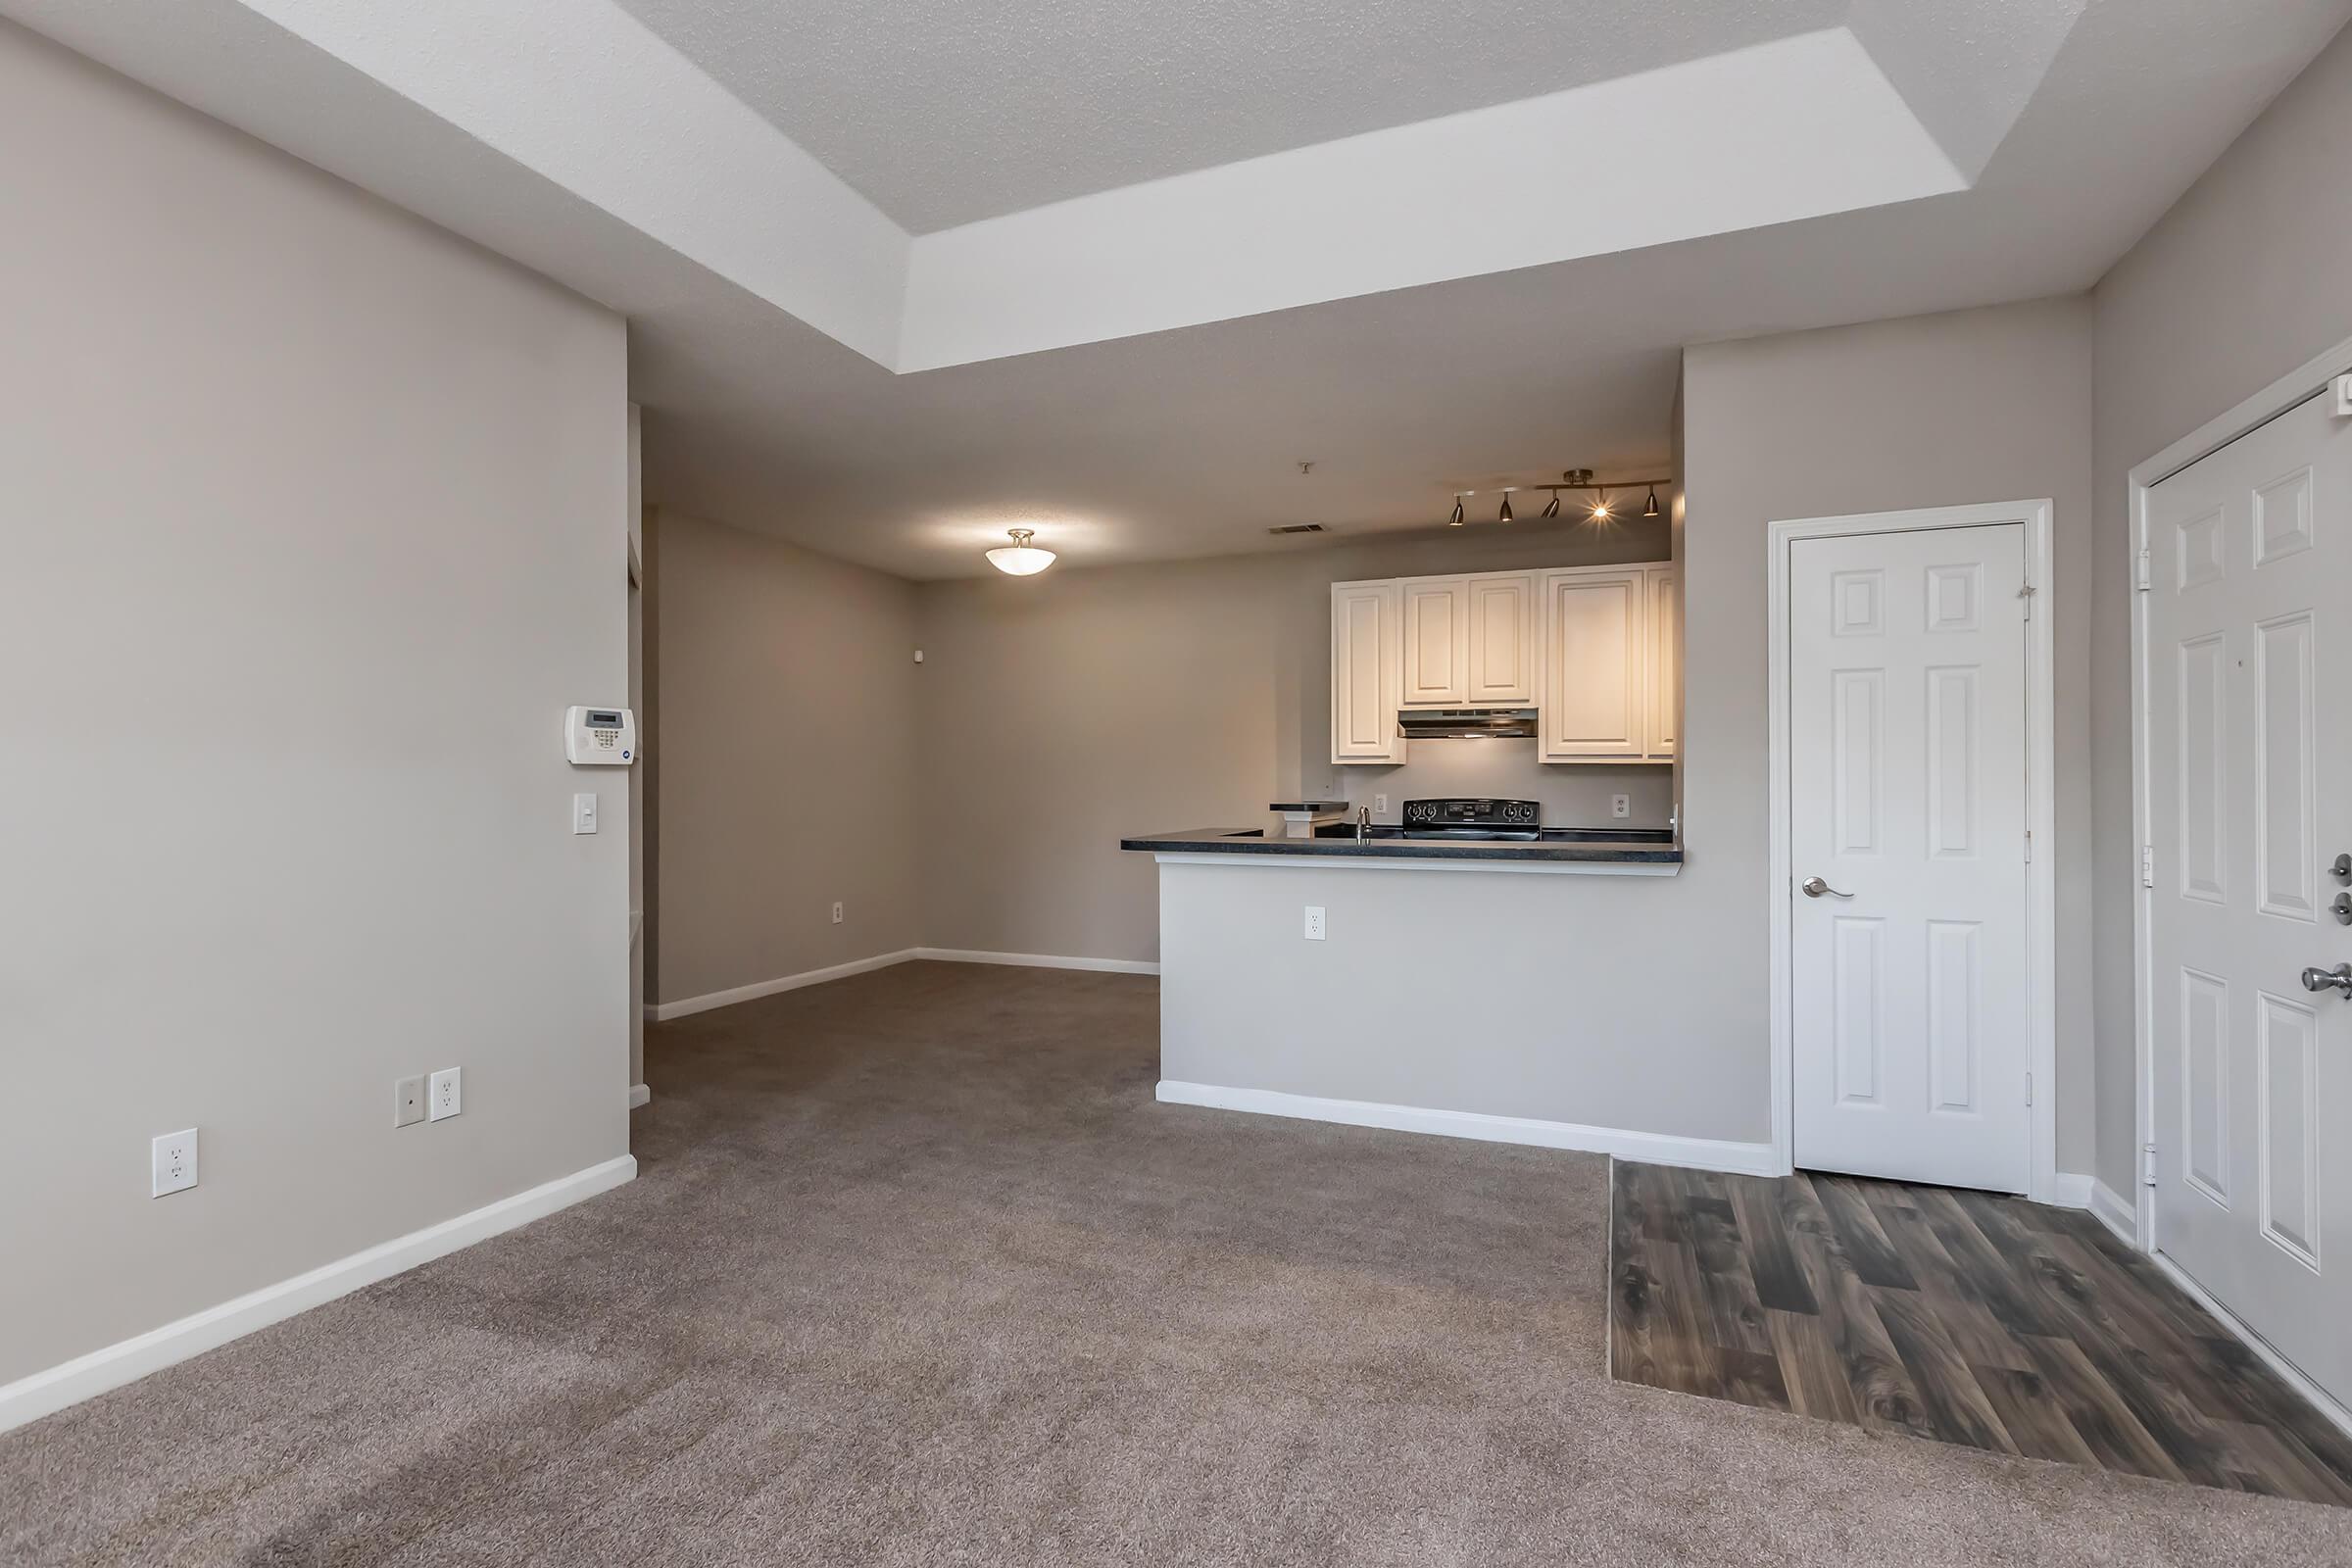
174	1161
442	1097
583	814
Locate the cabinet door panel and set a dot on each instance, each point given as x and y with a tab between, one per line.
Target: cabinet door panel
1502	641
1366	664
1595	659
1665	660
1437	642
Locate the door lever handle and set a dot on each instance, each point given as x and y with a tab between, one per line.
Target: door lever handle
1814	887
2338	978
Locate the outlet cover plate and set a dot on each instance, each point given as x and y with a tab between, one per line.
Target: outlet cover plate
1314	923
443	1097
408	1102
174	1161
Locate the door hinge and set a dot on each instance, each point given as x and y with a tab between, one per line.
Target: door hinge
2028	1089
2147	1164
2147	866
2142	583
2026	593
2029	846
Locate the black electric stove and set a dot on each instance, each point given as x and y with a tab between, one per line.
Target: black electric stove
1474	819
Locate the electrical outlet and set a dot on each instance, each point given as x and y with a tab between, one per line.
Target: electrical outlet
1380	805
583	814
408	1102
1620	806
1314	923
174	1161
837	913
442	1099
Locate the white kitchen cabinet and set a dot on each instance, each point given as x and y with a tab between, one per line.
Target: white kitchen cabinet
1665	702
1595	650
1367	667
1597	654
1437	641
1470	642
1501	666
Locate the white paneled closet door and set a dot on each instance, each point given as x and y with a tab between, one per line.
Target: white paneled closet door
1907	840
2249	623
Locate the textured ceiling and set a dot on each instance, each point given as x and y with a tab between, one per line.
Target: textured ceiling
942	112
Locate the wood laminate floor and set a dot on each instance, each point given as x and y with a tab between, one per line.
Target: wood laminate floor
1948	1314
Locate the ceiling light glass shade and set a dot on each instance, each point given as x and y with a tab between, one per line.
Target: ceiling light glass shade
1021	558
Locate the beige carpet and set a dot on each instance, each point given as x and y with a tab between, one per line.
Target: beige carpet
917	1273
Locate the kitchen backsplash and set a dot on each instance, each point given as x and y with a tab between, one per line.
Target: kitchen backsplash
1572	796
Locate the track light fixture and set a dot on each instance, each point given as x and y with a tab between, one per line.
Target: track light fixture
1598	508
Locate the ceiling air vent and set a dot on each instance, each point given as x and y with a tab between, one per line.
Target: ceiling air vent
1298	527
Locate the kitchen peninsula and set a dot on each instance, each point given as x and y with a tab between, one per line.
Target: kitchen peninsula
1456	967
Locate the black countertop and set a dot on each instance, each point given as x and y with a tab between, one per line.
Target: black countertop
1590	846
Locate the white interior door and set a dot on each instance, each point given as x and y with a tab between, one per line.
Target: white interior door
2250	801
1908	805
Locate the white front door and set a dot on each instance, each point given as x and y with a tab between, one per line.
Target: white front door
2250	798
1907	823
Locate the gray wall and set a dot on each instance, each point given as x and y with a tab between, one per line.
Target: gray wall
1061	713
2239	283
1991	405
313	527
787	746
1499	992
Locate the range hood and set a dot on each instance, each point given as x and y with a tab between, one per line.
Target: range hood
1466	723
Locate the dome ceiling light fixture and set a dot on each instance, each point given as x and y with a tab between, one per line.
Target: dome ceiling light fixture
1021	558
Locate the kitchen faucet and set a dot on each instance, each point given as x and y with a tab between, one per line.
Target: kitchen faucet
1364	824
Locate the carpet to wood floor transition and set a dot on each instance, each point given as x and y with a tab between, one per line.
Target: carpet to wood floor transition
1953	1315
916	1272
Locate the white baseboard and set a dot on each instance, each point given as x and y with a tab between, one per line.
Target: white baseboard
1660	1148
639	1095
2115	1211
2321	1399
30	1397
1037	961
665	1011
2070	1188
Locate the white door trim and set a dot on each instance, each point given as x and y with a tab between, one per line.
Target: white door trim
2297	386
2041	962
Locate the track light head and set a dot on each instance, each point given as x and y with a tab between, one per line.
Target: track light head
1455	521
1651	509
1551	507
1505	516
1600	509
